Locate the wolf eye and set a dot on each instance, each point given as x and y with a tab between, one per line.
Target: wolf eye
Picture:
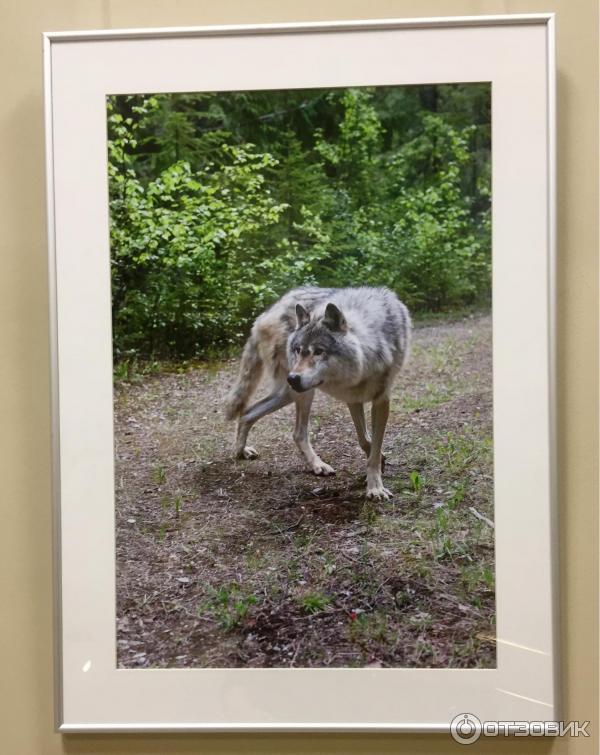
317	352
296	349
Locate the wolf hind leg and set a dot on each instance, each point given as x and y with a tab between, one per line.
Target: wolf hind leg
251	368
316	464
357	412
379	416
279	398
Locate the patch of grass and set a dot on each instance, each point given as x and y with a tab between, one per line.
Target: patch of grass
423	650
432	397
369	513
410	488
130	369
416	481
206	447
174	503
446	357
476	577
488	577
327	564
443	546
302	541
229	605
456	494
462	653
459	452
256	560
293	569
369	627
159	474
450	315
314	602
121	371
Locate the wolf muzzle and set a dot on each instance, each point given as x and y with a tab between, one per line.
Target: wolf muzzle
295	382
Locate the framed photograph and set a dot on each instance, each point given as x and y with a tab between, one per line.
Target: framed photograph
302	325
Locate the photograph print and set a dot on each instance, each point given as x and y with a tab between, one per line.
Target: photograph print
302	352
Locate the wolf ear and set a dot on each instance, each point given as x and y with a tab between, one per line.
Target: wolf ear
333	318
302	316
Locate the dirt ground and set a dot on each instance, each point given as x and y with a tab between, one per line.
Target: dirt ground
224	563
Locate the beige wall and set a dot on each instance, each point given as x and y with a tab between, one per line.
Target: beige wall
25	569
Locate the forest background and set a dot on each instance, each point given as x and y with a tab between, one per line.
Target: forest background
220	202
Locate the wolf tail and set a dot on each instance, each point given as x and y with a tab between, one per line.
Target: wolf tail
250	371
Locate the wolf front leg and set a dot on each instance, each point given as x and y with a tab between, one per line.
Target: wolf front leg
379	416
274	401
316	464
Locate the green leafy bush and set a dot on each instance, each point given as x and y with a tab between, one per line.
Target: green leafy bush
221	202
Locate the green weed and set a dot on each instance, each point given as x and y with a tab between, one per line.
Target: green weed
159	474
369	627
416	481
315	602
228	605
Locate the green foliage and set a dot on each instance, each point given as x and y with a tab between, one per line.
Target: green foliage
229	605
315	602
221	202
159	474
416	481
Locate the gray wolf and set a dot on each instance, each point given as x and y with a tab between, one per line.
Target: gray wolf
347	342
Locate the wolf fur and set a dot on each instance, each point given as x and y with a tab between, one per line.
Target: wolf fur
347	342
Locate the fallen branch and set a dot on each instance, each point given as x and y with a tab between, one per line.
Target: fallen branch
481	517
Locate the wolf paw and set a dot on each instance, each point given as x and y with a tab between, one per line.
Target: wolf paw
247	452
320	468
379	494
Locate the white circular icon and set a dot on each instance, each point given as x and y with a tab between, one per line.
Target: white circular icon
465	728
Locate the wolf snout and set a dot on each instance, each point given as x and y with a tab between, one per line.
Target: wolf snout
295	381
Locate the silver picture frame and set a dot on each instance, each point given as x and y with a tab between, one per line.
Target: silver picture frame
93	696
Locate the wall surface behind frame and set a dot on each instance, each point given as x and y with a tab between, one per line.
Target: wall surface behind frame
26	707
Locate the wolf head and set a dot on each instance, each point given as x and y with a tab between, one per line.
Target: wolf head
315	347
